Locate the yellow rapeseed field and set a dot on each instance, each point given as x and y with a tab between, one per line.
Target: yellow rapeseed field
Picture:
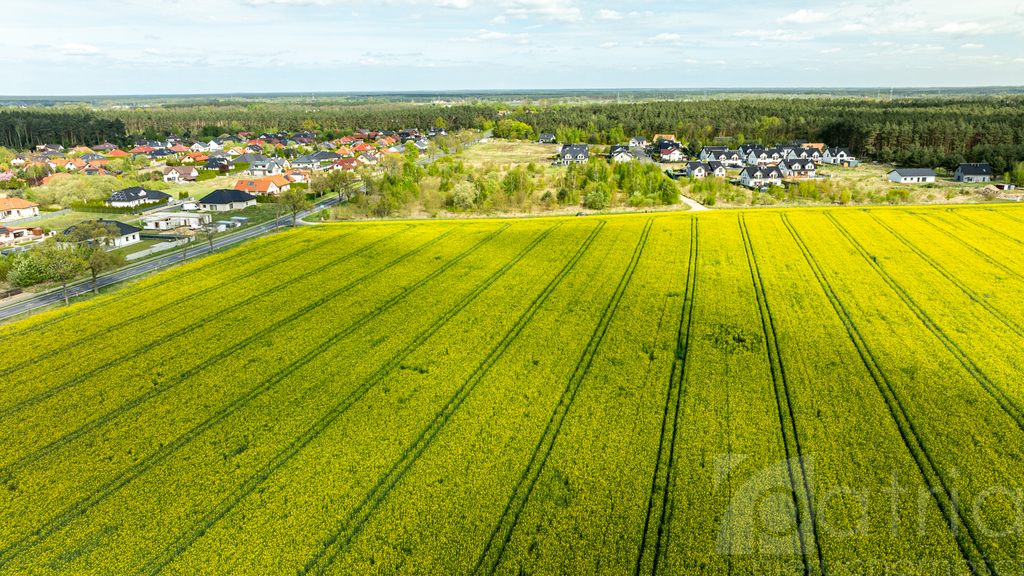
826	391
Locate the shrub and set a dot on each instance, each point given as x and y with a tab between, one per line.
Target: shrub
26	271
595	200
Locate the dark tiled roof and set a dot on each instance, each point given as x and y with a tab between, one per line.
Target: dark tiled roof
226	196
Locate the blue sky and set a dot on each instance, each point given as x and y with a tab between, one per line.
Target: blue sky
213	46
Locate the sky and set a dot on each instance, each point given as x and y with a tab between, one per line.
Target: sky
111	47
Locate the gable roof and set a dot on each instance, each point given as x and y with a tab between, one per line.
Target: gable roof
251	158
976	169
227	196
914	172
136	193
122	228
15	203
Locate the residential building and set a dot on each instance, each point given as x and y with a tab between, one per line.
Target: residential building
546	138
225	199
261	187
798	168
971	173
672	155
573	154
172	220
135	196
17	208
707	150
758	176
704	169
638	141
912	175
836	156
128	234
180	174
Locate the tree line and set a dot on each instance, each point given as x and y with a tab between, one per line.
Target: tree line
915	133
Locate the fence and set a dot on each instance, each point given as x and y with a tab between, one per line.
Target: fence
10	293
33	218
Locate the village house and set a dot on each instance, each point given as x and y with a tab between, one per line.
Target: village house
758	176
836	156
798	168
17	208
127	234
704	169
972	173
573	154
259	187
912	175
224	200
672	155
135	196
180	174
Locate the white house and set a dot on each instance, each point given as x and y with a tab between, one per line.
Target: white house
704	169
180	174
225	199
912	175
977	172
128	234
638	141
706	151
837	156
757	176
728	158
17	208
573	154
265	168
135	196
620	154
672	155
798	168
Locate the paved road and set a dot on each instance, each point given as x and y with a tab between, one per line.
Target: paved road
195	249
85	286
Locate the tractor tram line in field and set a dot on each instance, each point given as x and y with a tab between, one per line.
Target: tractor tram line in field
650	547
240	253
146	315
350	527
968	544
205	364
534	396
229	503
147	347
70	513
978	299
495	548
972	249
787	419
959	214
994	390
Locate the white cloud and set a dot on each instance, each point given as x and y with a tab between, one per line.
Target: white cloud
852	28
499	20
959	28
79	50
882	44
803	17
609	45
483	35
972	46
608	15
549	10
691	61
454	4
831	50
777	35
663	39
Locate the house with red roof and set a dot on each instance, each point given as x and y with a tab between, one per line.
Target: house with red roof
17	208
262	186
118	154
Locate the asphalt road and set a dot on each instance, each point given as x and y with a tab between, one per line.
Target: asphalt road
195	249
